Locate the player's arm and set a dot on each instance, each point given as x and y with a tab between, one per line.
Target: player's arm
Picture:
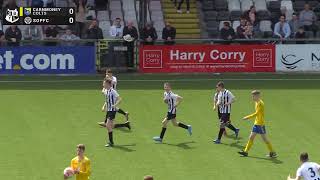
103	108
215	102
179	100
232	100
87	172
119	99
258	110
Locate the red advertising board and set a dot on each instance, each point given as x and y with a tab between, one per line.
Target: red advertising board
207	58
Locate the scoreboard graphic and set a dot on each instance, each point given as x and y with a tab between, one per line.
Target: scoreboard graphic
39	16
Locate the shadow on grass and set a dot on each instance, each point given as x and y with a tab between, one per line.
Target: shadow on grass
273	160
184	145
125	147
233	137
235	145
124	130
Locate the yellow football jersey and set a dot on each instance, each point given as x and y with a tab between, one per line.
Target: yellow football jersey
259	114
84	167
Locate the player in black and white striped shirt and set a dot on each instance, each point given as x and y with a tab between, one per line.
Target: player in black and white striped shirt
112	100
215	108
225	100
114	80
173	100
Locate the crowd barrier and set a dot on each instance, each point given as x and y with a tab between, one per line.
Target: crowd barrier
186	56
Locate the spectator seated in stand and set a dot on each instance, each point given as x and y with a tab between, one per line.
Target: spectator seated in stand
116	29
149	34
169	34
307	19
81	11
94	31
282	29
13	35
227	32
251	16
294	24
51	33
68	37
2	39
300	34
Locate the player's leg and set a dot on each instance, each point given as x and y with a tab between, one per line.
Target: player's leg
109	127
223	123
249	144
126	114
163	130
230	126
182	125
103	123
265	139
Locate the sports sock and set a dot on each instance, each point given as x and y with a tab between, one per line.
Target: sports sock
221	133
248	146
182	125
121	111
163	131
230	126
270	148
120	125
110	137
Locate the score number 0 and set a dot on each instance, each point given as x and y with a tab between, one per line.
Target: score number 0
71	12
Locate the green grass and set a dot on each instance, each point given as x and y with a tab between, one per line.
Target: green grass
43	120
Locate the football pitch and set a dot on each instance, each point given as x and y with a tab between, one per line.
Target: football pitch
43	118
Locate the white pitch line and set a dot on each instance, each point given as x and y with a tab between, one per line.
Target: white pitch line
153	80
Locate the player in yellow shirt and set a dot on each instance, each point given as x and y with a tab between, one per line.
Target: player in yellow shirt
81	164
259	126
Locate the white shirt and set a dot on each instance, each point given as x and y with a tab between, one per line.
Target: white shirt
111	98
224	97
116	32
172	100
309	171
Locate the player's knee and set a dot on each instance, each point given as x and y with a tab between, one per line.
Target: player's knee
175	123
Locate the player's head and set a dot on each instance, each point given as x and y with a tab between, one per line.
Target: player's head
107	83
255	95
167	86
109	73
220	85
94	23
117	21
304	157
80	149
148	177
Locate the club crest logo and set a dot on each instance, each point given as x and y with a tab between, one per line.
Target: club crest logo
12	16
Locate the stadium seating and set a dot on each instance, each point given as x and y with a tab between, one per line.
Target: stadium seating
187	25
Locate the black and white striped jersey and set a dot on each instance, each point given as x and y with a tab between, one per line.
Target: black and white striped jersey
114	82
225	97
111	98
172	100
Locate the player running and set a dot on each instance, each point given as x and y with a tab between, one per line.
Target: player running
81	164
112	101
215	100
259	126
307	170
173	101
113	80
225	99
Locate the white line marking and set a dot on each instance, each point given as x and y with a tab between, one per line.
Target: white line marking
152	80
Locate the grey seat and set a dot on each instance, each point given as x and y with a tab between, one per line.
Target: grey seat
234	5
213	24
260	5
263	15
207	6
223	16
265	26
235	15
210	15
274	6
298	5
245	5
221	5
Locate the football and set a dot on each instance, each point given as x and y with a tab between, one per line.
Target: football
68	172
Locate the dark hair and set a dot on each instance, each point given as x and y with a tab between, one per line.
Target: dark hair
167	84
109	71
251	7
81	146
220	84
118	18
283	16
148	177
304	157
108	81
226	23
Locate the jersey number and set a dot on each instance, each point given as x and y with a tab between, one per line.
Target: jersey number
313	173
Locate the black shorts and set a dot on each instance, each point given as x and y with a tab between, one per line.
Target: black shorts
225	118
219	115
171	116
111	115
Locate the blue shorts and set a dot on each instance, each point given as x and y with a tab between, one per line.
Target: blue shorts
259	129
